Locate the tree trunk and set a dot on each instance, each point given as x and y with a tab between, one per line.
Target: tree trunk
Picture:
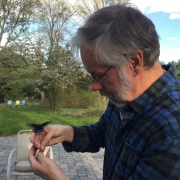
42	95
1	99
53	106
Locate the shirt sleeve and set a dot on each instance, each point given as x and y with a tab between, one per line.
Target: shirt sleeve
89	138
80	140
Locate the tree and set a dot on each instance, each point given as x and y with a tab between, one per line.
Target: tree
15	16
85	8
48	47
11	71
176	65
57	76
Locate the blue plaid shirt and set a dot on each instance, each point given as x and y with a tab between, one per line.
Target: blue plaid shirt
141	141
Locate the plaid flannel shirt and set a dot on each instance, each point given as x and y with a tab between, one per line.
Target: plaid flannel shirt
141	141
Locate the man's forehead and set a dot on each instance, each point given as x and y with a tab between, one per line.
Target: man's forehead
86	50
88	58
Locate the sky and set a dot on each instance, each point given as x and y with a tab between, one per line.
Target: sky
166	18
165	14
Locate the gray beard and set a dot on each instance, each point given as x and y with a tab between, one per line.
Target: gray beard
117	99
120	98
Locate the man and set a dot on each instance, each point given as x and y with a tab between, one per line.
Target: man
140	129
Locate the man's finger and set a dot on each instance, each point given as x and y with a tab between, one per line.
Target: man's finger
45	140
32	137
36	139
48	155
31	156
39	156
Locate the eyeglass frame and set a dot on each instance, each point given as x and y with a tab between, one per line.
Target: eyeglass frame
97	80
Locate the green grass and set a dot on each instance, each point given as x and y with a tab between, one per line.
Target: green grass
13	119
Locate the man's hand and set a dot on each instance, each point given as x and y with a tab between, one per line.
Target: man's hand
51	135
44	166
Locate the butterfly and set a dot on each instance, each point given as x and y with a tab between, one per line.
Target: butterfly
38	128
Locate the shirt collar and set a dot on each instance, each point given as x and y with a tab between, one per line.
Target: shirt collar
156	89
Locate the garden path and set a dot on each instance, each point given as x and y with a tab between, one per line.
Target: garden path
77	166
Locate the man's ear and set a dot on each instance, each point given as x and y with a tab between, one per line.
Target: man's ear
136	63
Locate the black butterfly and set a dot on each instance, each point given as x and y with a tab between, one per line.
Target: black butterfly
38	128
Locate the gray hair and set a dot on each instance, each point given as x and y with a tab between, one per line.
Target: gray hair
117	32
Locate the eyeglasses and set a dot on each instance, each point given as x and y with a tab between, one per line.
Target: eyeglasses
97	80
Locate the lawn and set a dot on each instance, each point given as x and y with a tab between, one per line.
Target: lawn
13	119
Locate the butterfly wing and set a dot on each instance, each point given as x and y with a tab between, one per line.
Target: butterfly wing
32	126
35	127
45	124
41	128
38	128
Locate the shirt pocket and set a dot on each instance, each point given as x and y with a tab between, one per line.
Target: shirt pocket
129	156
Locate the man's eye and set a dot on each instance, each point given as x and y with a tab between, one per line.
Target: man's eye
92	77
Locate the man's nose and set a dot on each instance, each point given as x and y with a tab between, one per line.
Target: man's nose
95	86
